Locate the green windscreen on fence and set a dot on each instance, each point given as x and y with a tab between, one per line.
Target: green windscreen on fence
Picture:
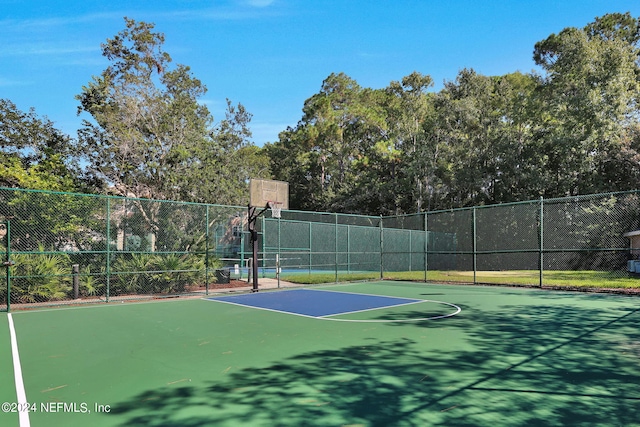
328	245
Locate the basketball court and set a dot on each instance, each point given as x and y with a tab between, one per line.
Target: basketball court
410	354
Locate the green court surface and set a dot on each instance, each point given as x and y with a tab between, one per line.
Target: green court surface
510	357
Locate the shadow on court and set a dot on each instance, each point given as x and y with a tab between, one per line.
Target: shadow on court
555	363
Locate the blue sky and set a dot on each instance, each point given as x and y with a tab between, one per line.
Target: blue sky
271	55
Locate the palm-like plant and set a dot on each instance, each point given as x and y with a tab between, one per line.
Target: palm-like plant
132	273
40	277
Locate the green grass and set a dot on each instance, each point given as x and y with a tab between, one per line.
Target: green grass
318	278
559	278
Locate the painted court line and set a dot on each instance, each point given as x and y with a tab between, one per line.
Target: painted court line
325	304
17	373
361	293
260	308
417	319
315	303
328	316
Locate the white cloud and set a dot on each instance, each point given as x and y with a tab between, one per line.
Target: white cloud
43	49
216	107
260	3
37	24
4	82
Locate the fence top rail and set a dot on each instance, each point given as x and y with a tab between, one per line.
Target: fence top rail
335	214
115	197
532	201
332	224
407	215
590	196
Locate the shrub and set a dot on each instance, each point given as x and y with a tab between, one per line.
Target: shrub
40	277
155	273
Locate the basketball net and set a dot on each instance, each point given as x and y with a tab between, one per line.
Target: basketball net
276	209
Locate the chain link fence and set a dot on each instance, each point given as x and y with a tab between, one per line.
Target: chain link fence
66	247
73	248
336	245
573	241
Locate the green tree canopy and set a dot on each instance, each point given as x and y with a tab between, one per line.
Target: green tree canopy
324	155
34	154
591	92
146	117
150	136
572	129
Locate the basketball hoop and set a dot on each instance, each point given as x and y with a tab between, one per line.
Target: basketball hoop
264	194
276	209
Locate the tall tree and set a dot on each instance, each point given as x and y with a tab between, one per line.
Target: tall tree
151	138
591	94
519	164
224	162
146	116
572	129
477	144
408	108
295	158
467	126
35	155
325	153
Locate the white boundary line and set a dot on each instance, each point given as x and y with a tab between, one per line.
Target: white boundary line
260	308
17	373
418	319
372	309
412	301
358	293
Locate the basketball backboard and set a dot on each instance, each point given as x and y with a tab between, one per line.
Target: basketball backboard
264	191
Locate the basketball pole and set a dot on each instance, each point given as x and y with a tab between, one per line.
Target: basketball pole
254	245
251	219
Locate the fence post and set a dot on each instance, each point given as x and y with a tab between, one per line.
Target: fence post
381	249
426	246
242	249
310	247
409	250
206	251
264	245
336	245
8	263
108	260
348	246
279	255
541	238
75	271
473	232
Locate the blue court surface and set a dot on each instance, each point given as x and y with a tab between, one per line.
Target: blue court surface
314	303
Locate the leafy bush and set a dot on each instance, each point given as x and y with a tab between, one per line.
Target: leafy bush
90	285
131	274
175	272
154	273
40	277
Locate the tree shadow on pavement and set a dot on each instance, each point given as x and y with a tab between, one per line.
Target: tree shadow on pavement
541	364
